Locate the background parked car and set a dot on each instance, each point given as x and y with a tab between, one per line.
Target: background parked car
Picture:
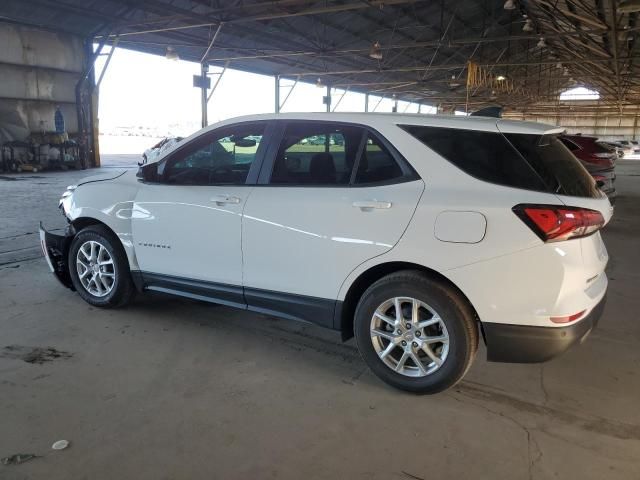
613	147
630	147
599	161
150	154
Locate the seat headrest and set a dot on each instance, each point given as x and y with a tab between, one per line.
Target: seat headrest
322	169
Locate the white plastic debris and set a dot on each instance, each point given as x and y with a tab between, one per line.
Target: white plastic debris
60	445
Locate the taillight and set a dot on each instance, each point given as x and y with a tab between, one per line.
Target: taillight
554	223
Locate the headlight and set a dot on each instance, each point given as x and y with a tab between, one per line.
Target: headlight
66	198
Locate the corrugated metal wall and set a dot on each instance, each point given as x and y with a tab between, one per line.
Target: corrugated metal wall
38	70
588	118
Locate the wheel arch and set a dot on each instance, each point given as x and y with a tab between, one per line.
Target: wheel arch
343	317
80	223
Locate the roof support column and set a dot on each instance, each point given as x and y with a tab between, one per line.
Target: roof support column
277	104
204	68
366	102
328	98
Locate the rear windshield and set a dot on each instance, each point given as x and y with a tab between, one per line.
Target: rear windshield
532	162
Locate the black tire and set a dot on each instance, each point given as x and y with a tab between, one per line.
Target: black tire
123	290
454	310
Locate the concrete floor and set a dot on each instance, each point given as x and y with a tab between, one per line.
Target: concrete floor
174	389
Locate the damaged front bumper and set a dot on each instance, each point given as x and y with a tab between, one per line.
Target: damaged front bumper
56	250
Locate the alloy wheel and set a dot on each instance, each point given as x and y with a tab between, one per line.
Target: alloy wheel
95	267
409	336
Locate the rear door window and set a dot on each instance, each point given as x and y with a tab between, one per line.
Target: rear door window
376	164
316	154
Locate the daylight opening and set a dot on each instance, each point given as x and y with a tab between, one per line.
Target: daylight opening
579	93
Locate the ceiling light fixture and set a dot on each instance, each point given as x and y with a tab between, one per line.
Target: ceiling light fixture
319	83
528	25
171	54
501	78
541	43
509	5
376	51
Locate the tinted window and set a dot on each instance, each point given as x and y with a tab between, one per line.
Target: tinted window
555	164
532	162
484	155
376	163
316	154
221	158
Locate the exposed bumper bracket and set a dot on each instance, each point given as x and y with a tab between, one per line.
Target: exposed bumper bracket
56	249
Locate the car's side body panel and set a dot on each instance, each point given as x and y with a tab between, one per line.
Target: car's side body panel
306	240
110	201
296	251
183	231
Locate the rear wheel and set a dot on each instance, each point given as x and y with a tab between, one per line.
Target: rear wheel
416	333
99	268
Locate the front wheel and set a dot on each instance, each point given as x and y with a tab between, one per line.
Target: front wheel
99	268
416	333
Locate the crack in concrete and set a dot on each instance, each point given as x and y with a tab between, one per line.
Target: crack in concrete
543	387
599	425
531	441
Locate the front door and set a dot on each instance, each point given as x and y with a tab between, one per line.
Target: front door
187	226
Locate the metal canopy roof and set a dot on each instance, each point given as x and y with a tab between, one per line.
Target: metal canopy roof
541	47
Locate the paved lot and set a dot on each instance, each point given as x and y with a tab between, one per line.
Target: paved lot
174	389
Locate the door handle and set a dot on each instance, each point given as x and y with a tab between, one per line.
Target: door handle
225	199
371	204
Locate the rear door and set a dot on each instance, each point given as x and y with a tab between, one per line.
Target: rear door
330	196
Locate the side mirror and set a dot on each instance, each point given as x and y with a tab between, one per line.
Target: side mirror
149	172
244	142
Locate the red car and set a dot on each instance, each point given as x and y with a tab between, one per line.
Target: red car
599	161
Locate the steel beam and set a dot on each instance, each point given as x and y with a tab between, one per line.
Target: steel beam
106	63
204	68
328	98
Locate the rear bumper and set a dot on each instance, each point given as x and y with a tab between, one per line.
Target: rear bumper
529	344
55	249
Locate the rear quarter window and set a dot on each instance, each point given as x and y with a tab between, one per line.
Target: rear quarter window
561	171
487	156
532	162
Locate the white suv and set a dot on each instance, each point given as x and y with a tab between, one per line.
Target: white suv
417	234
